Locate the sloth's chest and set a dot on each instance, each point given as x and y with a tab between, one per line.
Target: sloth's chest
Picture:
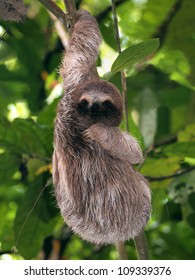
96	166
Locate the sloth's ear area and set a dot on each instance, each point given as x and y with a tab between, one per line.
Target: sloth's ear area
118	144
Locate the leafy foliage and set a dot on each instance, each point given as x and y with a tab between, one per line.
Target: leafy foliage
161	103
134	54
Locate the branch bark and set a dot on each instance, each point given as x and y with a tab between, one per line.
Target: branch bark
55	10
122	253
70	6
141	246
67	20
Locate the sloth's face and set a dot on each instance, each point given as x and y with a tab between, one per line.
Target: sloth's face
96	107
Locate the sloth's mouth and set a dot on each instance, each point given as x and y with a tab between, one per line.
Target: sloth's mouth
96	114
95	110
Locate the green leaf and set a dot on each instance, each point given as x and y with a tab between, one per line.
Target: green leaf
191	220
109	35
185	149
147	115
160	166
9	163
35	219
191	200
135	54
163	122
25	136
7	75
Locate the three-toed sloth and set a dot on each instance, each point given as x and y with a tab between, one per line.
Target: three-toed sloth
100	195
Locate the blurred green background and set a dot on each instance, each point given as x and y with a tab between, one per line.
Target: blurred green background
161	103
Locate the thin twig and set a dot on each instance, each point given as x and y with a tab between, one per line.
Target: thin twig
125	99
30	212
120	246
123	76
105	12
45	159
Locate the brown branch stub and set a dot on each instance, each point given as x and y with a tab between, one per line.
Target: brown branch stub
122	253
71	12
67	19
141	246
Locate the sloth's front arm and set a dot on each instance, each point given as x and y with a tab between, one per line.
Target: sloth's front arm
117	143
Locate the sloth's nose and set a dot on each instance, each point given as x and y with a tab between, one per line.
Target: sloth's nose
95	107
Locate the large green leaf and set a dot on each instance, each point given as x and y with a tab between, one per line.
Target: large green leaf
135	54
185	149
158	167
109	35
35	219
25	136
7	75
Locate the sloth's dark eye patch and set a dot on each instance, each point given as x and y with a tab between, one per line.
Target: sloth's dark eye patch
107	104
84	103
109	107
83	107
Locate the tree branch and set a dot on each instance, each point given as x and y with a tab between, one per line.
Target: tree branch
66	19
120	245
70	6
102	14
55	10
177	174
